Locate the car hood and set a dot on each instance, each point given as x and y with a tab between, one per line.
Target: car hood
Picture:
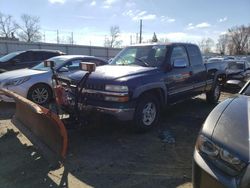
19	74
232	128
113	72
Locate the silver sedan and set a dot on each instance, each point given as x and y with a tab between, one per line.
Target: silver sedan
36	83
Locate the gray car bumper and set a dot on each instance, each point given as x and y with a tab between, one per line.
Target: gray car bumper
121	114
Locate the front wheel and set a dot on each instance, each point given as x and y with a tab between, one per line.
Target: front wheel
146	113
40	94
213	95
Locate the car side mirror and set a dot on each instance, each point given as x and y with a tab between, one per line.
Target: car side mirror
50	64
63	69
180	63
87	66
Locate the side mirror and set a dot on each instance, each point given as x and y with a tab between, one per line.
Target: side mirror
180	63
50	64
87	66
63	69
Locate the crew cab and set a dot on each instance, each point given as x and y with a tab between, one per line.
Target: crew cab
142	79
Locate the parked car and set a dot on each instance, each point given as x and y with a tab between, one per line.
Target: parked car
222	153
238	73
26	59
142	79
36	83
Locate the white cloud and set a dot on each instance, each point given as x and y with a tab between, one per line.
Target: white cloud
109	3
138	15
93	3
130	4
222	19
57	1
203	25
167	19
142	13
191	26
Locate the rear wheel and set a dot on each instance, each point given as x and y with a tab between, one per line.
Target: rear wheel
40	94
147	113
213	95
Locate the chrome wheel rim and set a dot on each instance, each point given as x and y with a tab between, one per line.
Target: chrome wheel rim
149	113
40	95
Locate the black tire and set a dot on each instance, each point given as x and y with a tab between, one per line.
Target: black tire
40	94
213	95
147	113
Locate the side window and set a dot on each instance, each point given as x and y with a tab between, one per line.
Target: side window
47	55
38	56
179	53
73	65
194	55
24	57
96	61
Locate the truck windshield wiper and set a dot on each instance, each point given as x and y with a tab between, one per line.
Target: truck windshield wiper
142	61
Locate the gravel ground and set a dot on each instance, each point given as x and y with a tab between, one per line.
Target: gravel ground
108	153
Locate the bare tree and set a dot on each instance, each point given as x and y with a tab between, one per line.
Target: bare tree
7	26
240	36
30	29
154	38
222	44
206	45
113	41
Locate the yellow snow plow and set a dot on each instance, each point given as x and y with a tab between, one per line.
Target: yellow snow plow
41	126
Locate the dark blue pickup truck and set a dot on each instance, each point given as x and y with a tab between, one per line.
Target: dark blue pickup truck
142	79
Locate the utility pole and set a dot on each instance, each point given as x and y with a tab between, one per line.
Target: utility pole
140	31
57	36
72	37
44	37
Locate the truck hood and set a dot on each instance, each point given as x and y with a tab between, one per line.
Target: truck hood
19	74
233	127
113	72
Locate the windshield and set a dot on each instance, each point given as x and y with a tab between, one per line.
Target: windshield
148	56
236	65
59	61
9	56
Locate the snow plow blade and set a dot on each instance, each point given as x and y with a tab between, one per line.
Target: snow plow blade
41	126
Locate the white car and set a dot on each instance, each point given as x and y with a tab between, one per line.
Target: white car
36	83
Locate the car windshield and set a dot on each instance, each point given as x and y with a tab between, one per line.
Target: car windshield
147	56
236	65
59	61
9	56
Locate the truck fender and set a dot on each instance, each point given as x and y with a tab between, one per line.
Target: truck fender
144	88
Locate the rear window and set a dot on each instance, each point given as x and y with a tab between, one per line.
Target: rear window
194	55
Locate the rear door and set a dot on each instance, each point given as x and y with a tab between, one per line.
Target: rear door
199	73
22	60
179	79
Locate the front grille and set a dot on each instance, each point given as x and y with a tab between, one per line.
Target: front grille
94	96
95	86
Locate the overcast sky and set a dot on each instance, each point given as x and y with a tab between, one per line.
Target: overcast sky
90	20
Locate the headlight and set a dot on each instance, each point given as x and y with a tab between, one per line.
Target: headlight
116	88
219	156
17	81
